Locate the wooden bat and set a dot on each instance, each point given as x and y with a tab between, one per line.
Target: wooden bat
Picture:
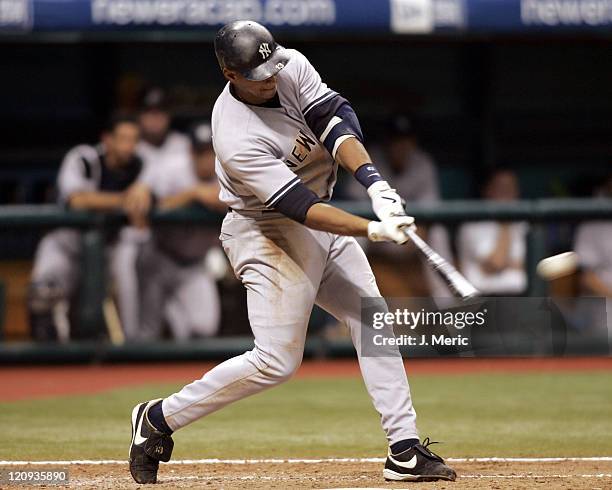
113	322
458	284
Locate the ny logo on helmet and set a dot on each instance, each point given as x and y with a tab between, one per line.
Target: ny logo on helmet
264	50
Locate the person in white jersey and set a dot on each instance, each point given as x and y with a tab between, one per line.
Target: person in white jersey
279	134
160	145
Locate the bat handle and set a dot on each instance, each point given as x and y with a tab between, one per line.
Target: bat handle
411	232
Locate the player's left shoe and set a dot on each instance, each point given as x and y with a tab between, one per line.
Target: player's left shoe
417	464
149	446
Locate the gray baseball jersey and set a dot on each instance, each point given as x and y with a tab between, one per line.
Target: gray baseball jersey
263	152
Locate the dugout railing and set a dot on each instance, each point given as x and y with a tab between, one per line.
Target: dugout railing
540	214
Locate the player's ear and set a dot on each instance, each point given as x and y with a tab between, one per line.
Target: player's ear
229	74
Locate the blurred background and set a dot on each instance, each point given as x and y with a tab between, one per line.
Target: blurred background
492	119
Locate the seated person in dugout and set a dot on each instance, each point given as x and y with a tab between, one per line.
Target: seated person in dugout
159	145
593	245
175	283
104	177
492	253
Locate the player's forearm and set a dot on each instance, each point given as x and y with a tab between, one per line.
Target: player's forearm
324	217
352	154
594	285
96	201
354	157
208	195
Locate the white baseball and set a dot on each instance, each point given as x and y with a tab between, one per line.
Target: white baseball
558	266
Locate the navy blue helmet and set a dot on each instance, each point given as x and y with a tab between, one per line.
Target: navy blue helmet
248	48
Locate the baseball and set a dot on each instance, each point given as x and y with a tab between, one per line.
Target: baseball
557	266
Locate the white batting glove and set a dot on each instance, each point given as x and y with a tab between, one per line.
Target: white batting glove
385	201
390	229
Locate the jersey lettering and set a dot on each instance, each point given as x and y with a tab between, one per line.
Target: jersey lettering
304	140
301	149
300	157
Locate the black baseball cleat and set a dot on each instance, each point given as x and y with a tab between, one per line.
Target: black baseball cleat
417	464
149	446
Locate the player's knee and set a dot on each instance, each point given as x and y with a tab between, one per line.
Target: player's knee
280	364
44	295
285	369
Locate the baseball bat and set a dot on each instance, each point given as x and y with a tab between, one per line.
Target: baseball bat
113	322
458	284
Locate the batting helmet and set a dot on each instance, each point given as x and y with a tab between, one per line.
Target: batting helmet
248	48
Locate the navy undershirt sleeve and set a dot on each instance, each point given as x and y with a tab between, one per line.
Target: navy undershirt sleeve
319	117
296	203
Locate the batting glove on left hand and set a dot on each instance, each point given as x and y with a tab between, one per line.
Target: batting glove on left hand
390	230
385	201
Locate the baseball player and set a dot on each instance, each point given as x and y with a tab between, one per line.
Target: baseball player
175	283
279	134
160	145
105	177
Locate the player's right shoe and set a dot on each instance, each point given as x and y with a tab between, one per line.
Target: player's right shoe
149	446
417	464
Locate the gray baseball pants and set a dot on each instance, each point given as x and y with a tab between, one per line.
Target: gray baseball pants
286	269
58	259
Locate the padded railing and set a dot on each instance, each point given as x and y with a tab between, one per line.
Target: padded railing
539	213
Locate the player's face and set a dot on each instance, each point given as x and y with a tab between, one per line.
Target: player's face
503	187
121	142
204	162
399	150
254	92
154	124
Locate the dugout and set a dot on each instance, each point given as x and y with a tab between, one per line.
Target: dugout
507	87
